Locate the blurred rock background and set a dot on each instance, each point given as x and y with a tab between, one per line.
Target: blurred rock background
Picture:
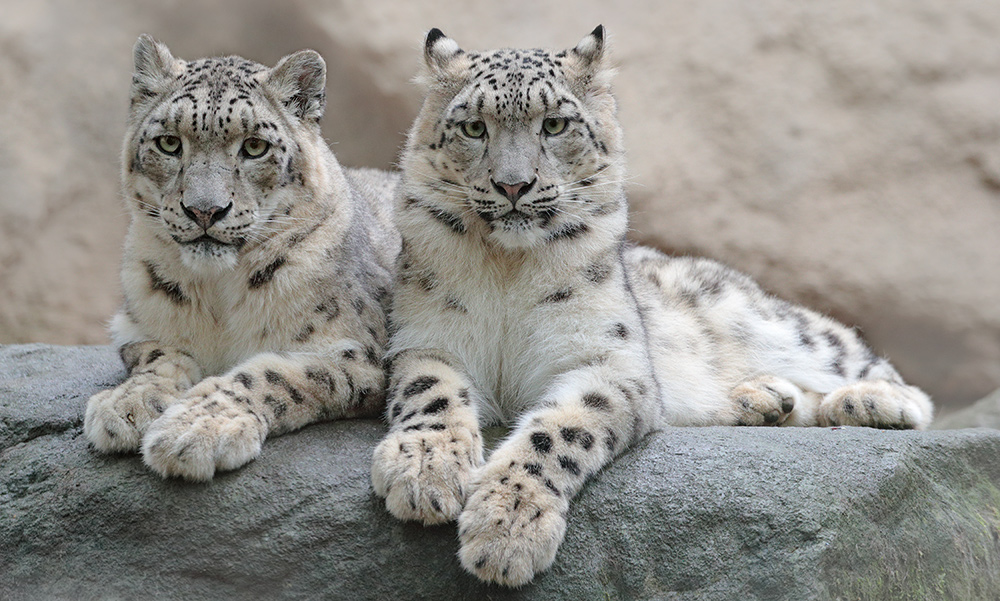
845	153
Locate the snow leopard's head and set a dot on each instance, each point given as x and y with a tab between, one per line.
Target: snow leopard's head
216	149
522	145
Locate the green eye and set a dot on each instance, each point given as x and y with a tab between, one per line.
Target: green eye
474	129
169	144
255	147
554	125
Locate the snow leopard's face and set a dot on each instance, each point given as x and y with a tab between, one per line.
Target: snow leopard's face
211	158
524	140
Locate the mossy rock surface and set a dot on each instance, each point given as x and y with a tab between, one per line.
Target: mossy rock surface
692	513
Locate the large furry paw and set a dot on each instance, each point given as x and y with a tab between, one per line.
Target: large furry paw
424	475
877	403
764	401
512	525
209	430
116	419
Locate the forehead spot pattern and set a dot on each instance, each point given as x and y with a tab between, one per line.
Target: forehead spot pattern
515	83
215	95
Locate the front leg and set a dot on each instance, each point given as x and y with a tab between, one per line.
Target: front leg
515	519
221	423
424	465
116	419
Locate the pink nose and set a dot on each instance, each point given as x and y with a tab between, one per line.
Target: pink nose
513	191
206	218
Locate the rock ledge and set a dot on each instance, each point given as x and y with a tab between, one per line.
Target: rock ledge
707	513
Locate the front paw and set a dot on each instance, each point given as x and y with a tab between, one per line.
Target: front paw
203	434
512	525
424	475
116	419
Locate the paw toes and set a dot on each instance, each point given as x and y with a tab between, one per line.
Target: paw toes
764	401
184	454
424	477
112	424
510	530
108	433
192	443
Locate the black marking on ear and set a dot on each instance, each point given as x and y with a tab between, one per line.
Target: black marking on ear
432	36
171	289
266	274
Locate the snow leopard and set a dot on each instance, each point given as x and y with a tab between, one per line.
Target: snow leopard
518	301
256	271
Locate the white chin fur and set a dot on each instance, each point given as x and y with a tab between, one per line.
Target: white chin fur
208	259
517	239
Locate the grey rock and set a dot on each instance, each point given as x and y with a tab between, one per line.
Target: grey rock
706	513
985	413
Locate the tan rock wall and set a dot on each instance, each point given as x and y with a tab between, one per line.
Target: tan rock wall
847	154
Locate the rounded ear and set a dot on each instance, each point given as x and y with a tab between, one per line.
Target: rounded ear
439	50
591	48
154	68
588	71
299	81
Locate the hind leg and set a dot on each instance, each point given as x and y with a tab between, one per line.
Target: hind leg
878	404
